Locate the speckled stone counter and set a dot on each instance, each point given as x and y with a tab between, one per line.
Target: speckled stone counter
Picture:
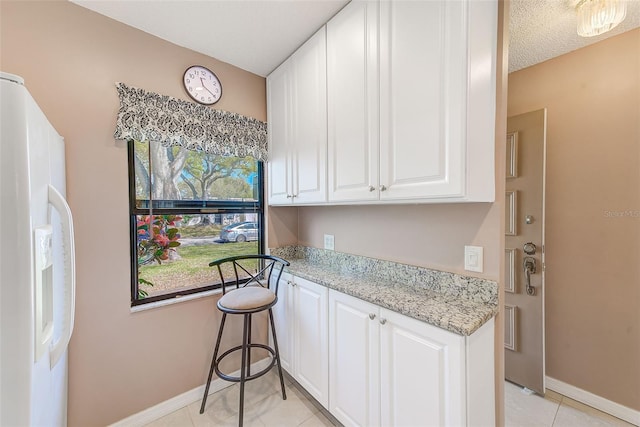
459	304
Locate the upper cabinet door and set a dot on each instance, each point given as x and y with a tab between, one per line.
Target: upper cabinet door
423	81
309	103
437	100
279	130
352	88
297	126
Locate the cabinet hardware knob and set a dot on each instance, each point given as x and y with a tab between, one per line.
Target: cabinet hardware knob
383	188
372	188
372	316
289	196
383	321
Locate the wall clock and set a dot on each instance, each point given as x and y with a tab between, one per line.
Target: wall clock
202	85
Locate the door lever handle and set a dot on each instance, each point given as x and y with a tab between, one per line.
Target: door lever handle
529	266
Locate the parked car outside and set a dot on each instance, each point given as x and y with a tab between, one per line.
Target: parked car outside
239	232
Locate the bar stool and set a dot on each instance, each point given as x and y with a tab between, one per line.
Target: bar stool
253	293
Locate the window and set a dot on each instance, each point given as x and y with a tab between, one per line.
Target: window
187	209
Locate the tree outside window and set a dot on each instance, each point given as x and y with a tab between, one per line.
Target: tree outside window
180	202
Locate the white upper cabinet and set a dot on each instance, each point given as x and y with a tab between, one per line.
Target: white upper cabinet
437	99
297	126
422	99
279	130
410	106
352	97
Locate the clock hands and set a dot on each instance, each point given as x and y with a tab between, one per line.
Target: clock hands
205	87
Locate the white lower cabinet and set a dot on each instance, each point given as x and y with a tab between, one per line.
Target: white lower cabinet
302	328
354	375
391	370
370	366
421	372
283	316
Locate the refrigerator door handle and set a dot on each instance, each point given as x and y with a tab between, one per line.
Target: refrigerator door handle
60	204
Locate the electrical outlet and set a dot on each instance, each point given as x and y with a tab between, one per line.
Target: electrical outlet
473	258
329	242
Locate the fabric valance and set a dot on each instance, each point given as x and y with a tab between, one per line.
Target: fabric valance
148	116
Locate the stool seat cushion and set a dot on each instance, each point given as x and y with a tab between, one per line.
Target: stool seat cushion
247	298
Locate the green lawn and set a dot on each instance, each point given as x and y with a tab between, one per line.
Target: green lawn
200	230
192	268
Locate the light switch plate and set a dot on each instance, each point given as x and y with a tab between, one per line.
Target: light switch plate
329	242
473	258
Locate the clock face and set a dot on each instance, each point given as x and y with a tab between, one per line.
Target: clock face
202	85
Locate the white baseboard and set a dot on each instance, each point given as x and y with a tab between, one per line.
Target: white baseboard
171	405
623	412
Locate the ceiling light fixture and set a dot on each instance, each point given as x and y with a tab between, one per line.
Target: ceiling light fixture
599	16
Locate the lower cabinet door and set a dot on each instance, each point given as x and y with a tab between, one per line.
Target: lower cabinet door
422	370
311	355
354	393
283	320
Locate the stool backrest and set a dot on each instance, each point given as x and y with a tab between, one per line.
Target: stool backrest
263	270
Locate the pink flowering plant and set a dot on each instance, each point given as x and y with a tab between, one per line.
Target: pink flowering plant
157	238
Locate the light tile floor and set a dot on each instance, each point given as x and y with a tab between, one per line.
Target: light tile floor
264	407
553	410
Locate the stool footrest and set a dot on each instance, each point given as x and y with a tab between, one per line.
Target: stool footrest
231	378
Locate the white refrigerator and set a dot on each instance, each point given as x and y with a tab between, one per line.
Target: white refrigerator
37	272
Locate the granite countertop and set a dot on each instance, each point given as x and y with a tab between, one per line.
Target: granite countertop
456	303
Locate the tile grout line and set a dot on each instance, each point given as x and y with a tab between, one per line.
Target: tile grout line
557	410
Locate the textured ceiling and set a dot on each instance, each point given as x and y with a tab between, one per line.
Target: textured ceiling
543	29
258	35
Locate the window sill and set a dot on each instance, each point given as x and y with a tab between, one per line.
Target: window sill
177	300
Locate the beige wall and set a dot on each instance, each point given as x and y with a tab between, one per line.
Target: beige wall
431	236
592	98
70	58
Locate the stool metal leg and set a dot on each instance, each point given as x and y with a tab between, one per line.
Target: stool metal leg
245	342
275	345
213	362
249	348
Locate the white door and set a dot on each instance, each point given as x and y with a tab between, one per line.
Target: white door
354	395
311	352
352	102
422	370
524	320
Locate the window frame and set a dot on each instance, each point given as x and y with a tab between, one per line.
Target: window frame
183	207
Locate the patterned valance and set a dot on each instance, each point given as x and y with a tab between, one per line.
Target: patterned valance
148	116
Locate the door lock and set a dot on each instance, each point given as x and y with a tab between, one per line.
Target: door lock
529	248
